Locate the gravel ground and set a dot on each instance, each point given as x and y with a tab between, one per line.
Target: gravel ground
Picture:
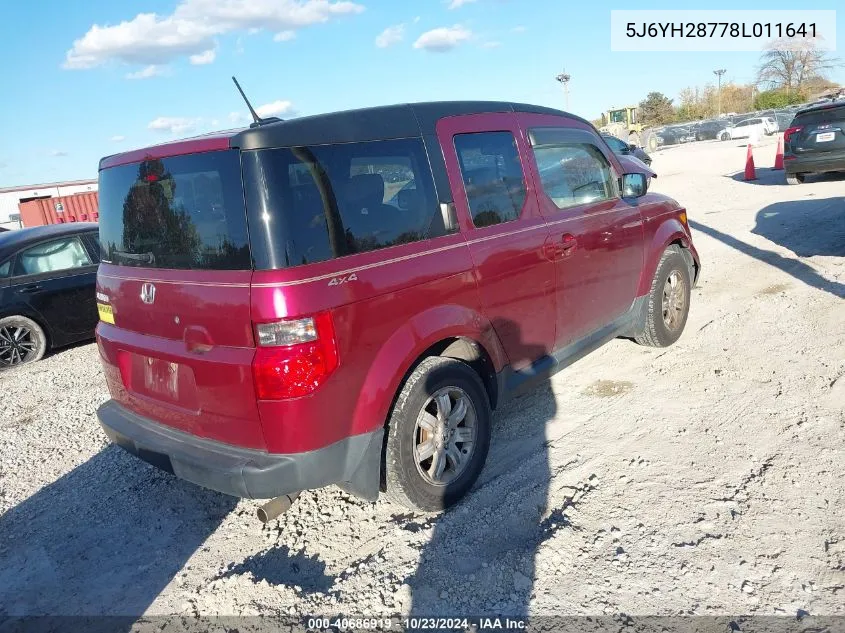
706	478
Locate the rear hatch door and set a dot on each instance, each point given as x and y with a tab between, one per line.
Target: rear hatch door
822	131
174	294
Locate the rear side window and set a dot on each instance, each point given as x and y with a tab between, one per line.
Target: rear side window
312	204
5	268
572	169
493	177
53	256
184	212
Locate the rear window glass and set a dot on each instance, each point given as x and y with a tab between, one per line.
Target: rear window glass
185	212
312	204
820	116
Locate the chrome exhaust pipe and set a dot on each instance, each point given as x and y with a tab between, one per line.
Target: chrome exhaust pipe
275	507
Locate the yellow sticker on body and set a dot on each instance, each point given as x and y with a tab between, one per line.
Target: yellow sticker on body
106	313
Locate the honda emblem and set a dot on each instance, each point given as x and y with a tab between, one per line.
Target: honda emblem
148	293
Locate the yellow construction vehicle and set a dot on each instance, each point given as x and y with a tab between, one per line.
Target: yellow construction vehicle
624	123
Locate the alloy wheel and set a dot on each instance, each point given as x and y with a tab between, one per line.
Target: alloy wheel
17	345
674	300
445	436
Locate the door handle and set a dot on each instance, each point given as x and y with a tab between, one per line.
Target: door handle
568	244
30	288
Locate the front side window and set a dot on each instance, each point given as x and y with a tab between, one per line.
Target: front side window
312	204
573	171
493	177
184	212
56	255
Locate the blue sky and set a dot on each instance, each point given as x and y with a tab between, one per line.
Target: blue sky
82	80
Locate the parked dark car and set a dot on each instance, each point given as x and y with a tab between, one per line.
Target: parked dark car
709	130
47	280
674	135
815	141
280	314
621	148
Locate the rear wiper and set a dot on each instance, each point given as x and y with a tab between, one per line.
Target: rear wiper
142	258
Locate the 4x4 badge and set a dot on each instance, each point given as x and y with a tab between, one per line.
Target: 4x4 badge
148	293
336	281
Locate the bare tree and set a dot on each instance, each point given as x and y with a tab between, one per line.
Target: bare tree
788	65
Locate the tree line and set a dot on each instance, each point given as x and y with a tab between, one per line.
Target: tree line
785	76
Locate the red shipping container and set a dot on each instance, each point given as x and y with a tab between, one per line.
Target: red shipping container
79	207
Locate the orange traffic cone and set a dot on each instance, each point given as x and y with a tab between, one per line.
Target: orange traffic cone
779	155
750	172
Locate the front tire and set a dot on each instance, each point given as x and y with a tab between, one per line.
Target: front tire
795	179
668	301
438	435
21	341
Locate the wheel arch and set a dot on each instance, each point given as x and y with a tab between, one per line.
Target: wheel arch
452	330
670	233
40	321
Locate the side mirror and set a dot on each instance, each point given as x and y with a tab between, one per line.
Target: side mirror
634	185
632	146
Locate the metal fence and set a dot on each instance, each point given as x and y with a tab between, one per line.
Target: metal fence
722	128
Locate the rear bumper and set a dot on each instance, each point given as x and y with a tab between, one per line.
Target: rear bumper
353	463
815	163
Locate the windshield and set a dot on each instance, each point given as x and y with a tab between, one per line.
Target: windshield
185	212
617	116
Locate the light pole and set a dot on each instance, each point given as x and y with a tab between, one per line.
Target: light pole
564	79
719	74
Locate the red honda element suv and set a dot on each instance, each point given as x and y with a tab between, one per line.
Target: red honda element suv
345	298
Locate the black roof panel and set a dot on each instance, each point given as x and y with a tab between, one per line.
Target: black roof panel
12	241
369	124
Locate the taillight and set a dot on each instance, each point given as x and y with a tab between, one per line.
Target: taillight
294	356
790	131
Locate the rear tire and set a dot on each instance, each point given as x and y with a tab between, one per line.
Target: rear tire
449	392
668	301
21	341
795	179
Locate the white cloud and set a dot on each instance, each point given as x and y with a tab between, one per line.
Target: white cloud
417	19
237	118
443	39
149	38
148	71
274	108
117	138
491	45
58	153
457	4
519	29
200	59
284	36
390	36
173	125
